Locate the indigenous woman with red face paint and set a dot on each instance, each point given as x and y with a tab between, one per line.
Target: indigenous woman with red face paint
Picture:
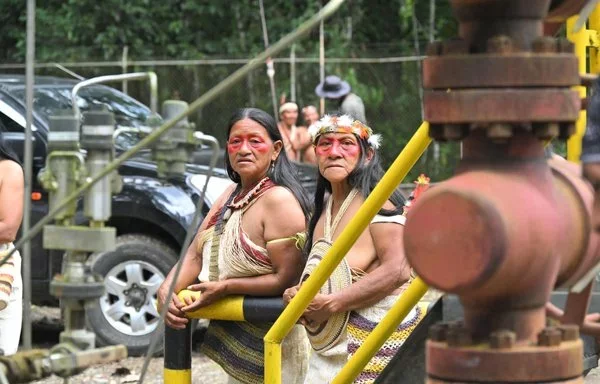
373	273
249	244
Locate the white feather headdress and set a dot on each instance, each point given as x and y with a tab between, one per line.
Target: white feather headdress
344	124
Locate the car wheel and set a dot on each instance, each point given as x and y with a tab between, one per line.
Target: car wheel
133	272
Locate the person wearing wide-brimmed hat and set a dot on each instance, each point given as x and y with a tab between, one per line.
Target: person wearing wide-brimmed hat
373	273
338	90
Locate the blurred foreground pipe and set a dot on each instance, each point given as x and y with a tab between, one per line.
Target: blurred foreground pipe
504	228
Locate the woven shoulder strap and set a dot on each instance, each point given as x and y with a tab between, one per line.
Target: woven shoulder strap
330	228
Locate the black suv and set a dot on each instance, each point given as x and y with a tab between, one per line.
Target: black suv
151	215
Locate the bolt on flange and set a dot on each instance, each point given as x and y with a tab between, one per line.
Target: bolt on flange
549	337
544	44
458	335
502	339
565	45
569	332
545	131
499	131
499	44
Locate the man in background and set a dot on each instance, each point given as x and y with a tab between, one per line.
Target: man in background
339	91
310	115
296	140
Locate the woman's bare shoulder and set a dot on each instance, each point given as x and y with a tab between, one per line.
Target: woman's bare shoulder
282	202
279	195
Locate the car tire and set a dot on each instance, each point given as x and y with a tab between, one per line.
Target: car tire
133	273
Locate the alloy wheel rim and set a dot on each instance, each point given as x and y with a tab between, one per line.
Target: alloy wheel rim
130	293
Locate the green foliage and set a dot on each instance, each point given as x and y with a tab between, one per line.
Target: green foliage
86	30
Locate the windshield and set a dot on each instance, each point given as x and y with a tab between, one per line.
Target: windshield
48	100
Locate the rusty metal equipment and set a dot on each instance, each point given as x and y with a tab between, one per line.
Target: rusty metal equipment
63	360
510	226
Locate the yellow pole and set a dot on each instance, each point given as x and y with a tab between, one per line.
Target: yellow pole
594	40
228	308
395	174
580	39
382	332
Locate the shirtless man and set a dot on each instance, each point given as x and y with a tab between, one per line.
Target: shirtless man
310	115
296	140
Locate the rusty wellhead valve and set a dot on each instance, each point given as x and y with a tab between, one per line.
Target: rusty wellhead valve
500	75
511	225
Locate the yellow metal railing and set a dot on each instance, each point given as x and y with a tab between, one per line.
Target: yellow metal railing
582	39
395	174
382	332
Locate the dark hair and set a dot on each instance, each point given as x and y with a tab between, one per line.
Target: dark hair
364	177
282	172
6	153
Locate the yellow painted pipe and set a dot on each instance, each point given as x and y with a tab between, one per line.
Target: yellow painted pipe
272	362
177	376
228	308
382	332
581	40
388	183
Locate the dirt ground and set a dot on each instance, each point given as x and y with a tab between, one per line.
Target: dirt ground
203	371
128	371
46	328
46	323
593	377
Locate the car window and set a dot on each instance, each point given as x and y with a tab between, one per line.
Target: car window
49	100
12	120
9	125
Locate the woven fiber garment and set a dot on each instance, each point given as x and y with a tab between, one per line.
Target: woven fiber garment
237	346
362	322
327	334
7	275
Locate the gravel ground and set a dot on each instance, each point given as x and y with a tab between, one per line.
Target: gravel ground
46	326
593	377
128	371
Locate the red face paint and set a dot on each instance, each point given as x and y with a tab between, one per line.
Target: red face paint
252	142
345	146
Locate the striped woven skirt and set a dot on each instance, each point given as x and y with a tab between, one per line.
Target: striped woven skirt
324	367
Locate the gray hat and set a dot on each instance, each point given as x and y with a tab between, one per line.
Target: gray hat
332	88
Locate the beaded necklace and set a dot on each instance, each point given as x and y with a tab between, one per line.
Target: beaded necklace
244	198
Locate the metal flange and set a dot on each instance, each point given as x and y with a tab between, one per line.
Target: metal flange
478	363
